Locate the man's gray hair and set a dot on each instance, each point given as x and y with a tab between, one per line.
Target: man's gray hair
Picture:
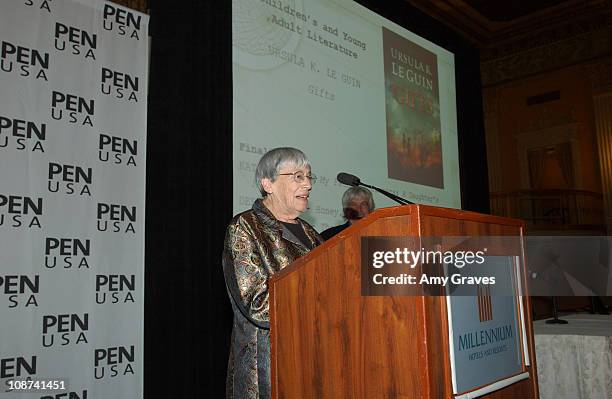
273	161
355	192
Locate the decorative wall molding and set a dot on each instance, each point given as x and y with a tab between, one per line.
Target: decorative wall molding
547	120
549	137
549	38
466	19
565	52
545	34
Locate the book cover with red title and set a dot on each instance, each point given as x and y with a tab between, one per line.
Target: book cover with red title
414	141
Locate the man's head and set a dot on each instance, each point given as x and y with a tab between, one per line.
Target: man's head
357	202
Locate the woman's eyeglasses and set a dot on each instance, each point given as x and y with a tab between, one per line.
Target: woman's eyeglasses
300	177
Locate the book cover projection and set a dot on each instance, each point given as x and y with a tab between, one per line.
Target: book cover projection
414	143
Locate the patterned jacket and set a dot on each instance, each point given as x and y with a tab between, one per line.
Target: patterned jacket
256	246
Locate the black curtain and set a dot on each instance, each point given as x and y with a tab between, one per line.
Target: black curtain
189	186
189	199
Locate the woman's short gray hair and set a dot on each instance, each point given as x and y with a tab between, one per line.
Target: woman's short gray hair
355	192
272	162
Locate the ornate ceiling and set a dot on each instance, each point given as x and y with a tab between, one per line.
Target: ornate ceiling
520	38
486	22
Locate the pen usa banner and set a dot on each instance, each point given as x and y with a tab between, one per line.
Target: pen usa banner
73	84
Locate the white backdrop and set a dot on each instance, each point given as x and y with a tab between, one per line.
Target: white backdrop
72	194
292	86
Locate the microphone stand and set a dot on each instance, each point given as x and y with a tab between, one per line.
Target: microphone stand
352	180
394	197
555	319
597	306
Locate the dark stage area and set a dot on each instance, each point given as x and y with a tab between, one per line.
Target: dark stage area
189	183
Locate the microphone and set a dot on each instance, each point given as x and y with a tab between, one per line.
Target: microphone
352	180
348	179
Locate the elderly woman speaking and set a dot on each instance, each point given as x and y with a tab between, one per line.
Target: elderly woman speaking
259	243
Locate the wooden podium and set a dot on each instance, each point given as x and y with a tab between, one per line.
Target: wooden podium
329	341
